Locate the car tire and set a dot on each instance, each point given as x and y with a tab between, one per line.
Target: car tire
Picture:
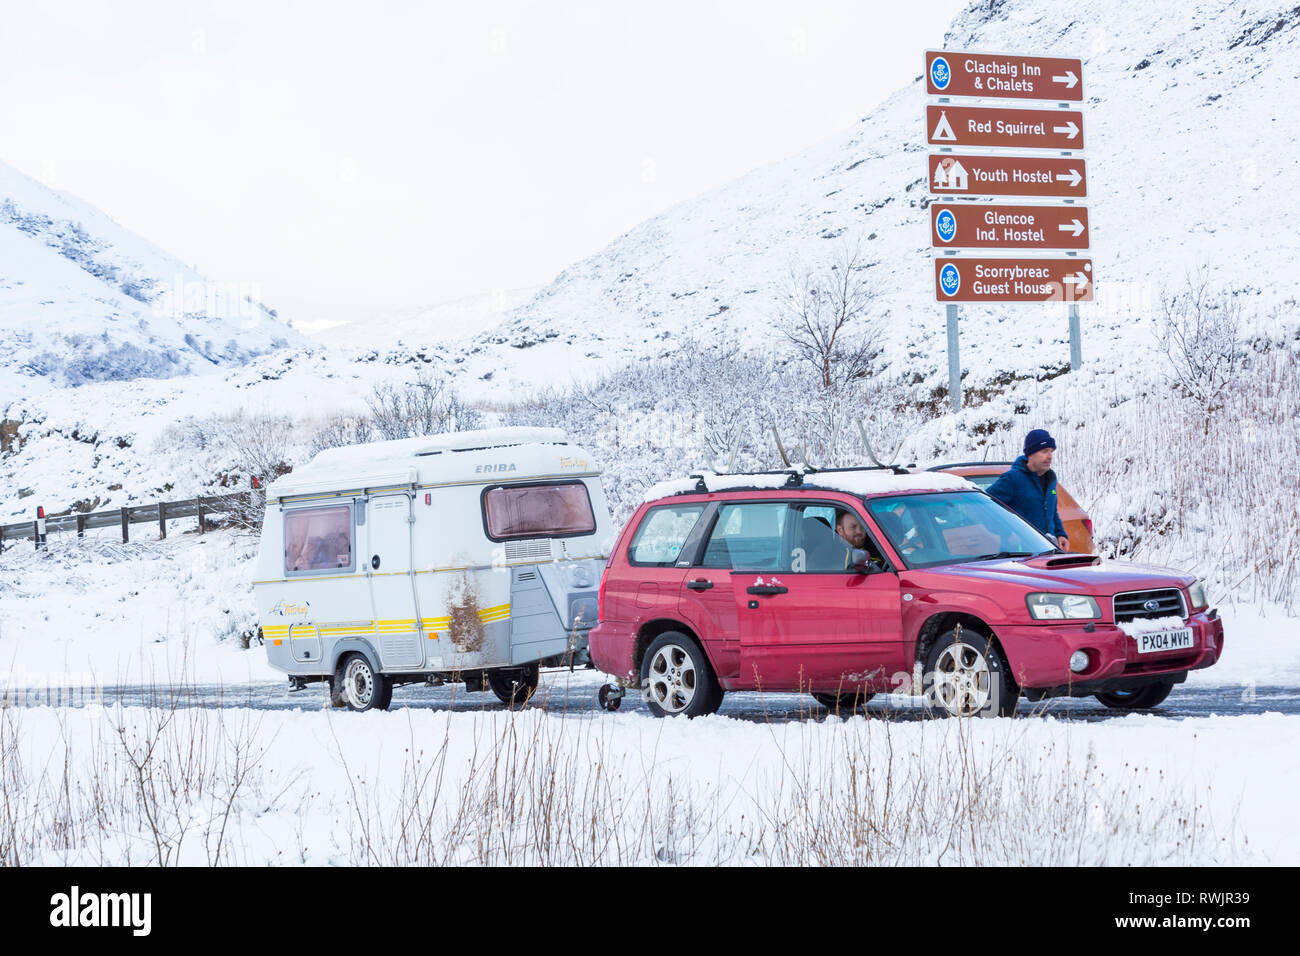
360	687
1142	698
514	688
967	676
677	678
844	702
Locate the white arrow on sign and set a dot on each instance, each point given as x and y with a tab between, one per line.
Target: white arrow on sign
1070	80
1078	280
1073	179
1070	130
1077	228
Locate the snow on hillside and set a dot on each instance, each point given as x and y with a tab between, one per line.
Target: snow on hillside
1188	164
109	444
1189	157
84	300
423	326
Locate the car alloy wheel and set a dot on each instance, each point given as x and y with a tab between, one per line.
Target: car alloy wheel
962	680
673	681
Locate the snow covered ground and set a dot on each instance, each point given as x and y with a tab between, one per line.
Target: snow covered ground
489	786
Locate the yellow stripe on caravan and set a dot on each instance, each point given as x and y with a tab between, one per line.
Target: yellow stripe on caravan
491	615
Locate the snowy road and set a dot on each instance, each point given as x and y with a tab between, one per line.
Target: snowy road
574	695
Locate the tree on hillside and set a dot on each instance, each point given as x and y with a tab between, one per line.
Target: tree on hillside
1200	331
823	312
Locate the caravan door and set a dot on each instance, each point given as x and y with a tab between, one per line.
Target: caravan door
387	560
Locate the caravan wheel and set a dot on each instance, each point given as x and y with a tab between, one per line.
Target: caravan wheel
515	688
360	687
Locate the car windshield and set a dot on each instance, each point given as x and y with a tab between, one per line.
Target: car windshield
953	527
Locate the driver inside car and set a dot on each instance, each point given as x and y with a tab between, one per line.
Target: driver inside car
849	527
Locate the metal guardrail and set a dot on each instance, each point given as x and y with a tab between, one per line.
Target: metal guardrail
159	511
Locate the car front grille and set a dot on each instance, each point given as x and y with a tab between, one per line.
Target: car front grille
1165	602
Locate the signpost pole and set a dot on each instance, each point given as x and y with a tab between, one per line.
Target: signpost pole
1076	339
954	360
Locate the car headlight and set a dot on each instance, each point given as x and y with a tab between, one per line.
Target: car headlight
1196	591
1060	607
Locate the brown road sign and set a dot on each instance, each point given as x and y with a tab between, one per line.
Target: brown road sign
1012	280
1060	177
998	126
1003	75
978	226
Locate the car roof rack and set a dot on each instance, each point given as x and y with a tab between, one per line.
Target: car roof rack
794	477
895	469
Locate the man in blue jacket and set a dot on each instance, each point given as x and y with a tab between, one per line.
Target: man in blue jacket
1028	487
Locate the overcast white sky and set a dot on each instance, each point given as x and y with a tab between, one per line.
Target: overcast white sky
346	156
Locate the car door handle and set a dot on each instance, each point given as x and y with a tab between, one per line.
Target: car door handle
700	585
767	589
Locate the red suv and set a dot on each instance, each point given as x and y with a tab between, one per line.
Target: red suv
846	583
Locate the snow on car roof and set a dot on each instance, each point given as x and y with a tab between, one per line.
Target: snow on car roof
864	482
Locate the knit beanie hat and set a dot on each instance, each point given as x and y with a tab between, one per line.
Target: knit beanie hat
1037	440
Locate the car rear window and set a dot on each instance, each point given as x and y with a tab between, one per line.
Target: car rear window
662	535
543	510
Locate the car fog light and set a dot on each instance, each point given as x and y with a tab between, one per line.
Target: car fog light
1079	661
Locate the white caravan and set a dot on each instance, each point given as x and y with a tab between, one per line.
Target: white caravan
472	556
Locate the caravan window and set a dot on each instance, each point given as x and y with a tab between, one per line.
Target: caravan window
542	510
318	539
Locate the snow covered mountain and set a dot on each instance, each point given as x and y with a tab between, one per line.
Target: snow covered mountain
84	300
1190	132
1189	161
423	325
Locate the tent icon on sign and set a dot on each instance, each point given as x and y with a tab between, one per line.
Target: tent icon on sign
950	174
943	130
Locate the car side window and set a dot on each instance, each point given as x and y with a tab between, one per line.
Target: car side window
749	536
817	546
663	532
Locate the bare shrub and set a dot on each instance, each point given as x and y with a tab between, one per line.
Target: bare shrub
823	312
427	406
1200	331
340	431
260	445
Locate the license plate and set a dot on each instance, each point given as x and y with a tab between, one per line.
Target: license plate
1177	639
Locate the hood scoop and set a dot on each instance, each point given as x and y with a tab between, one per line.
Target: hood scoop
1064	561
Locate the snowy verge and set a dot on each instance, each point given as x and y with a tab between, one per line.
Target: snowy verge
431	788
